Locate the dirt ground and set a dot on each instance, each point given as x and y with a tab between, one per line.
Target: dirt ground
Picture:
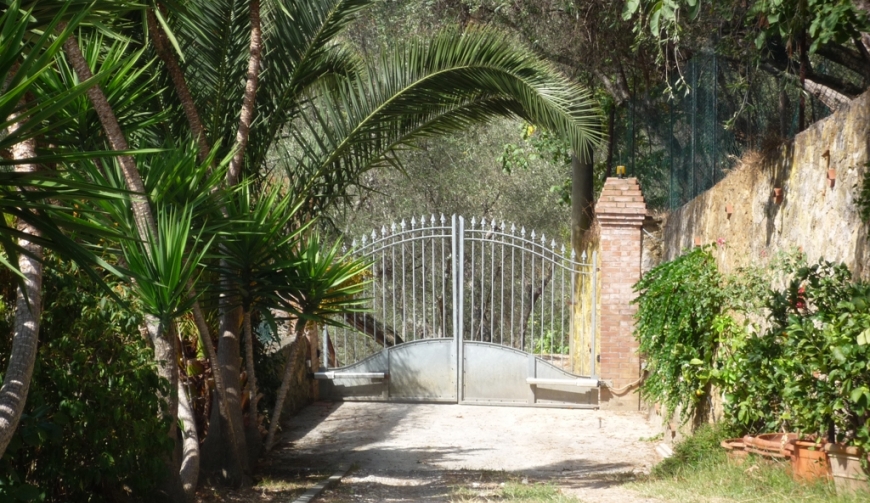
418	453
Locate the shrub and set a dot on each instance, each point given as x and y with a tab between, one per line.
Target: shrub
679	319
91	430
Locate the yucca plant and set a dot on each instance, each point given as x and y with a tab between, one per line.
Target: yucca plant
253	254
247	74
322	285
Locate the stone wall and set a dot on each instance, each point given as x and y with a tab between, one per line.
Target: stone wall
812	212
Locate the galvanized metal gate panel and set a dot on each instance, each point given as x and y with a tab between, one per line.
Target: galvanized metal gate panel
476	315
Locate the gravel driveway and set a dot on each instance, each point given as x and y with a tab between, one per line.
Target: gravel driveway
411	452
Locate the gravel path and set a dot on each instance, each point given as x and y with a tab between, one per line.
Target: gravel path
405	452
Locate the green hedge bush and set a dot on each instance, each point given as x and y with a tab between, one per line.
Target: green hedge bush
91	430
799	359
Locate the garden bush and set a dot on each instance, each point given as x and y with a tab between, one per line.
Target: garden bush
91	430
799	359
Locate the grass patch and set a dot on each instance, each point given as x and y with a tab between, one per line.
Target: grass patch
513	491
700	472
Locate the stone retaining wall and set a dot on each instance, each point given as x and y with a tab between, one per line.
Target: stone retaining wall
813	212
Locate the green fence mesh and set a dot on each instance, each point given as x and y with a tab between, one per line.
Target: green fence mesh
680	144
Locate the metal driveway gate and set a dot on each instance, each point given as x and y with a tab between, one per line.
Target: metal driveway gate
480	314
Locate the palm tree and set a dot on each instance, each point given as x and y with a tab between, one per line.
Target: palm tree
345	117
342	116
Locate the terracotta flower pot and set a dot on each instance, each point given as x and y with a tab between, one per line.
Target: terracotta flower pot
770	445
809	461
849	475
735	449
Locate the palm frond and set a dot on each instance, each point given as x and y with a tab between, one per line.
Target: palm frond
428	88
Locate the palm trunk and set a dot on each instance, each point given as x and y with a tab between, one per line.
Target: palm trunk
232	421
220	386
164	350
228	343
28	308
249	368
164	52
285	383
249	101
225	449
145	223
190	445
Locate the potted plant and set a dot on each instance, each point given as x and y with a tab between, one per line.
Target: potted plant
825	360
809	460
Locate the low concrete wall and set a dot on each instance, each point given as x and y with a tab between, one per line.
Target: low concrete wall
811	214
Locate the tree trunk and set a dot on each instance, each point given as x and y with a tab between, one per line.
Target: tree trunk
252	427
249	364
225	448
249	102
164	52
145	222
582	198
190	445
164	350
221	399
611	141
28	308
285	383
235	471
534	294
383	334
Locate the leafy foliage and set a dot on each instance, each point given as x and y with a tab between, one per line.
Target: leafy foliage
680	305
91	426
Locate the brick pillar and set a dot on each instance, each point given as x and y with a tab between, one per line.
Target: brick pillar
620	212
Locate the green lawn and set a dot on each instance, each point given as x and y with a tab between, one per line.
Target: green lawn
701	472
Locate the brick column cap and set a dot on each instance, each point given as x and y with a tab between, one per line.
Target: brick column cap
621	203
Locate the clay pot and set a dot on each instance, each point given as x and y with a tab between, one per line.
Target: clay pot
777	195
771	445
846	469
809	461
735	449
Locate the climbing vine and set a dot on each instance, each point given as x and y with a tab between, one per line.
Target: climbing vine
679	324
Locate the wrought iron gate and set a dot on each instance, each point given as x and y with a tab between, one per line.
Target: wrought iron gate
478	314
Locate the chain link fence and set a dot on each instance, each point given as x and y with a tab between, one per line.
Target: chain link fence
680	143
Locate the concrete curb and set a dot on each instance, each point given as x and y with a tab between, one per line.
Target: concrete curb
315	491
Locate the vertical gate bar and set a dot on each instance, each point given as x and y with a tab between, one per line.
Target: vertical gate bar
413	280
552	298
492	284
364	315
460	288
532	298
482	274
393	270
501	307
562	303
404	288
543	292
423	269
443	283
384	282
593	269
453	252
522	327
513	277
432	261
454	245
471	238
